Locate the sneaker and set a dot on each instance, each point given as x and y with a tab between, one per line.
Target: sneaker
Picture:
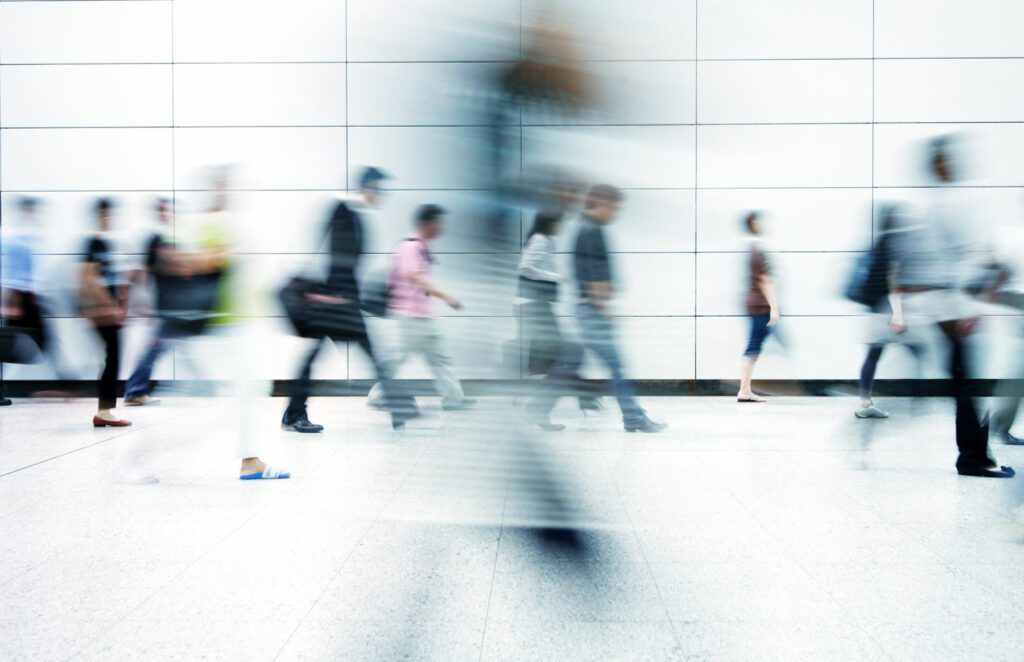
646	425
140	401
870	412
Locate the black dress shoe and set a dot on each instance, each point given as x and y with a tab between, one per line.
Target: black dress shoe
985	472
646	425
5	402
302	425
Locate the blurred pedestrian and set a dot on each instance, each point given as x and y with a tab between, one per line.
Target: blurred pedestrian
104	301
595	277
761	304
334	308
411	302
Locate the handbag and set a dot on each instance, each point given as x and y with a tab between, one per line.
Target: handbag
868	284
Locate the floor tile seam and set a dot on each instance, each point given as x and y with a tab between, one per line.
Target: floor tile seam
494	574
348	557
114	436
643	551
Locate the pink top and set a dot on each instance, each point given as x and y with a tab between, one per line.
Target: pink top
407	298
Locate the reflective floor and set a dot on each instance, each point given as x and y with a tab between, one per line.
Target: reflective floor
785	531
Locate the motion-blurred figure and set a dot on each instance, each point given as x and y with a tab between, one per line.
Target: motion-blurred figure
876	288
104	301
237	303
1009	291
25	305
334	309
933	260
594	274
410	302
549	352
762	306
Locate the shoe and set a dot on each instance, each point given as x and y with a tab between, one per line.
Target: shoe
465	404
302	425
588	404
542	421
646	425
400	418
270	473
98	422
870	412
985	472
139	401
6	402
1010	440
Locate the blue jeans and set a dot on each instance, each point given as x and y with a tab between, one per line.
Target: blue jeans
141	381
599	338
759	330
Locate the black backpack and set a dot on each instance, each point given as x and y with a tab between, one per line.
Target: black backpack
869	282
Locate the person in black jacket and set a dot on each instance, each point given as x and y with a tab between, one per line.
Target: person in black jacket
337	302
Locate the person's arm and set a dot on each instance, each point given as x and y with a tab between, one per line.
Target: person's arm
421	281
767	287
594	272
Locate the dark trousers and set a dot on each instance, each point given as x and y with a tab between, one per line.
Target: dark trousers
111	336
867	370
971	434
394	400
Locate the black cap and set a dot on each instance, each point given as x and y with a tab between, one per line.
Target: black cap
371	177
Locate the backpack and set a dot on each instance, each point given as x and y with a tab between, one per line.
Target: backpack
869	283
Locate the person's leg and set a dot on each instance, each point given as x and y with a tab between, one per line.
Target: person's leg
758	332
971	435
388	366
140	383
241	341
867	373
598	337
111	336
432	346
392	397
300	388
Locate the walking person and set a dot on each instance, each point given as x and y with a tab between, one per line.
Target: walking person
933	261
877	290
595	278
411	302
549	352
104	302
761	305
162	265
337	301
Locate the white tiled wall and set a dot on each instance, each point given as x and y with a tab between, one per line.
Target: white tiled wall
808	110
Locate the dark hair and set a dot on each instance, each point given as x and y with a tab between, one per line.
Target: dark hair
602	193
103	206
938	151
428	213
161	204
544	223
27	204
749	219
371	177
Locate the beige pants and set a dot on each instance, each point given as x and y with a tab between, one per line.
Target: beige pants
420	335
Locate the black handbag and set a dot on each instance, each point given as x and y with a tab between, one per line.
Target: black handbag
315	319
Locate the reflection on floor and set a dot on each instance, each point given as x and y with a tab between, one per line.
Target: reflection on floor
785	531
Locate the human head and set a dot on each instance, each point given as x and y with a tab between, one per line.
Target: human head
164	209
940	159
103	209
28	205
888	217
752	222
546	224
429	221
603	203
370	180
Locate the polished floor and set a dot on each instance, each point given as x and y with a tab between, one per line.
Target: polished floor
785	531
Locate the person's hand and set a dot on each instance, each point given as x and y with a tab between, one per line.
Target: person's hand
13	313
773	317
897	324
452	302
326	298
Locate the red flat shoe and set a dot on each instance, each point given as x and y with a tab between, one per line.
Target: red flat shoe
98	422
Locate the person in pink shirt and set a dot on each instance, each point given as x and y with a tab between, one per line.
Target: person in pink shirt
411	303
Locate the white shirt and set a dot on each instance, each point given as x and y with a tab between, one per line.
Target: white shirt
538	260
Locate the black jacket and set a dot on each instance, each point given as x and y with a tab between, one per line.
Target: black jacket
345	230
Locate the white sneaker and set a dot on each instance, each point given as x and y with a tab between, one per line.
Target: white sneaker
870	411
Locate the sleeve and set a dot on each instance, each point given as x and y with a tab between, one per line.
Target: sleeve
536	256
759	264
